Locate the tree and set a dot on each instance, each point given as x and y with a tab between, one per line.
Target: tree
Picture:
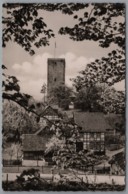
19	17
87	99
11	92
112	101
104	23
63	147
96	24
17	121
43	90
11	151
107	70
61	95
23	24
100	98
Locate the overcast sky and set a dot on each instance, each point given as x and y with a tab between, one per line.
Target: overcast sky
32	70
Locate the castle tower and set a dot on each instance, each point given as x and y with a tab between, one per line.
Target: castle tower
56	73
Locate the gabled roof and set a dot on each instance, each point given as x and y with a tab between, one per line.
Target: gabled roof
49	111
119	158
32	142
91	122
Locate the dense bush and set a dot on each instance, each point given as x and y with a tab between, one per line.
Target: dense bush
39	185
29	180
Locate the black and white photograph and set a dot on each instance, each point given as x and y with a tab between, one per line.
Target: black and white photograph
63	97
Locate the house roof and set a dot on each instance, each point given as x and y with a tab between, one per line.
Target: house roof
91	122
32	142
119	158
49	111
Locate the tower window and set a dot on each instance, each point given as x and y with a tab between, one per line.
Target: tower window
55	80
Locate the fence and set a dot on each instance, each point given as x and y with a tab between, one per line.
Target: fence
12	162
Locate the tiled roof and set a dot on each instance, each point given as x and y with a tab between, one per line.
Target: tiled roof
91	122
49	111
119	159
32	142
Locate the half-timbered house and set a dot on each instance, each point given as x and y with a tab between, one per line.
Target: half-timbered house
51	114
93	127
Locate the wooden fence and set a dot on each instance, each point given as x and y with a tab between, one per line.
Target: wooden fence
12	162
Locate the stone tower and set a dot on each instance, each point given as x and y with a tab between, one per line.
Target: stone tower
56	73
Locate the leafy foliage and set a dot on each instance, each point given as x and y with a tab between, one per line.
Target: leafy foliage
100	98
103	23
11	91
23	26
43	89
30	181
63	146
13	153
99	23
17	121
107	70
112	101
61	95
62	186
87	99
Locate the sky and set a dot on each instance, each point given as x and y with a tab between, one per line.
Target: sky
31	71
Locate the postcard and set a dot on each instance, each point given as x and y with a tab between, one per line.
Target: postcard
63	92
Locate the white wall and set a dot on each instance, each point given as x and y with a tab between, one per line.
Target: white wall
34	163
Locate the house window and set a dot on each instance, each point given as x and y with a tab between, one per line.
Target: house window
92	145
29	156
102	136
55	117
85	136
98	146
49	117
86	145
102	147
52	117
98	136
79	146
92	136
